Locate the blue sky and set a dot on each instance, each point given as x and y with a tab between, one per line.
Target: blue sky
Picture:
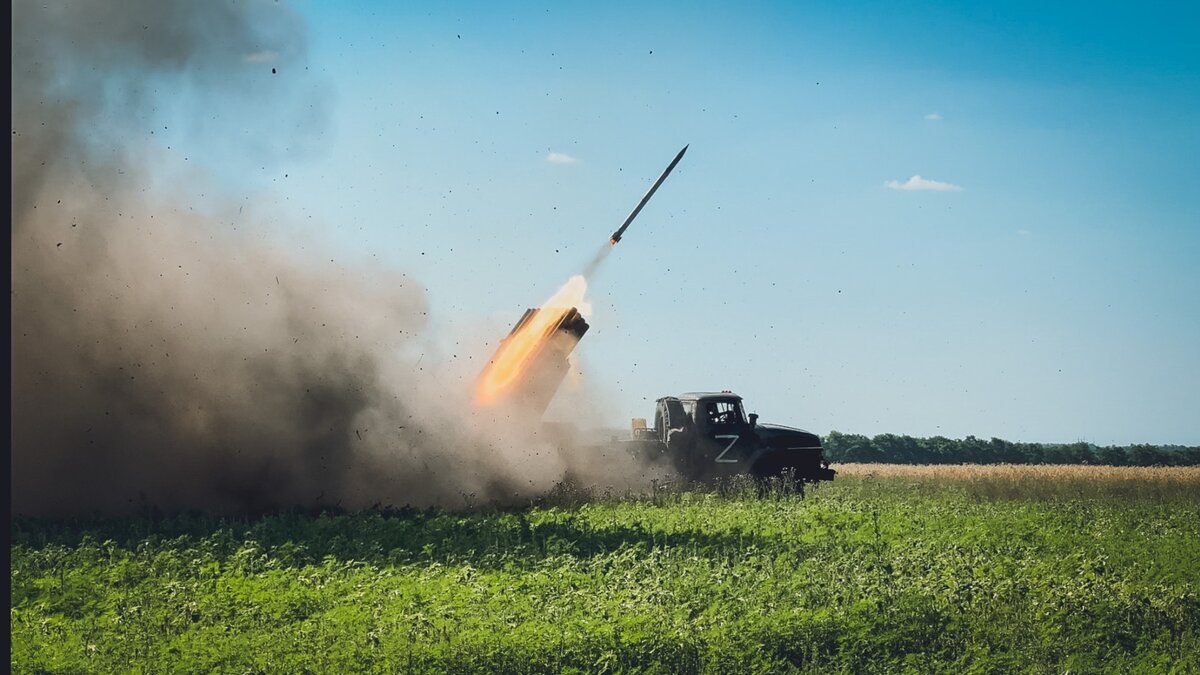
1048	293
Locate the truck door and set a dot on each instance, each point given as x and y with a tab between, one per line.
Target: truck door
673	416
677	433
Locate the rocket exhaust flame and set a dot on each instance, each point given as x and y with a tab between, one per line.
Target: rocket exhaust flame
513	366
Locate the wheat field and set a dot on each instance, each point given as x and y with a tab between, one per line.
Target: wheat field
1038	480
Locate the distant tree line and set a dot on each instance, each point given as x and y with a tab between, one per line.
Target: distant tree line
893	449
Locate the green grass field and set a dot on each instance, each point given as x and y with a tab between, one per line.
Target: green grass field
881	571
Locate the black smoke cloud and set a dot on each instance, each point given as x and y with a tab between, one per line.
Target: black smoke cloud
164	358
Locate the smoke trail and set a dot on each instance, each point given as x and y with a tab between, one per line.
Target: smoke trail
161	358
593	266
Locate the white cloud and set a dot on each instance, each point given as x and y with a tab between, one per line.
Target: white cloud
1023	232
260	57
918	183
933	117
560	158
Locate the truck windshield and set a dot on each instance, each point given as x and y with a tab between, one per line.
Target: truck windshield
725	414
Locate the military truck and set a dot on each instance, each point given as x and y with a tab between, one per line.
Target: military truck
707	435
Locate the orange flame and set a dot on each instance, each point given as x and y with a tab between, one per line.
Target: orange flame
518	350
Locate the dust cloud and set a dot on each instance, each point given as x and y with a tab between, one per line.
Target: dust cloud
164	358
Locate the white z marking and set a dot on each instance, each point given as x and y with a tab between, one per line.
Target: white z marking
733	439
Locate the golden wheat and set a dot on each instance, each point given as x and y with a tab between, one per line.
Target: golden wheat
1170	474
1019	481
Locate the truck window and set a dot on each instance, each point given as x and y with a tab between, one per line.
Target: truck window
689	408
